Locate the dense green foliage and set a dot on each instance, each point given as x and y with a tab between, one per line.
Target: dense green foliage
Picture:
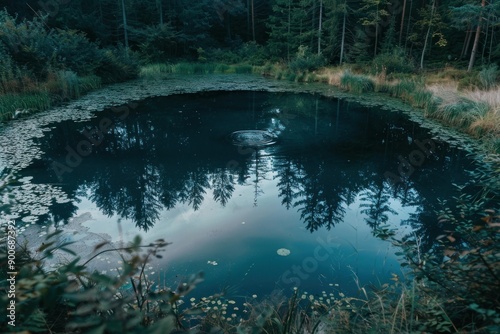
162	30
40	65
51	46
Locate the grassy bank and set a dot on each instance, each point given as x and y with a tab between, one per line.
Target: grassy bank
454	97
160	71
40	96
458	99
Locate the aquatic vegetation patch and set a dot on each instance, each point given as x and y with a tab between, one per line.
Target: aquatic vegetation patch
283	252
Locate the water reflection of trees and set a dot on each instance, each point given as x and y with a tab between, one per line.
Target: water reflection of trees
329	155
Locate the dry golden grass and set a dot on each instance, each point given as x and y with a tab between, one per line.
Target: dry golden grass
491	97
487	124
447	92
448	76
331	75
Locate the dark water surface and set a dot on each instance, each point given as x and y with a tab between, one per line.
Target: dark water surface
322	188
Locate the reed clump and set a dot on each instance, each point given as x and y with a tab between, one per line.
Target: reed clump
356	83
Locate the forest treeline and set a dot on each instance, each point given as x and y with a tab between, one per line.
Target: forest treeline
426	33
56	50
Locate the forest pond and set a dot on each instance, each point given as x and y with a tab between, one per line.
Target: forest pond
260	191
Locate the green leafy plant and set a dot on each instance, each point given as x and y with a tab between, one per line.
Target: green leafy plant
465	266
74	298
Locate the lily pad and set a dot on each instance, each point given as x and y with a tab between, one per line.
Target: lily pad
283	252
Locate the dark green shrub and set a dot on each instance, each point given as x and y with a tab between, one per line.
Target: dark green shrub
157	43
118	65
27	42
252	53
392	62
222	56
74	52
40	50
306	61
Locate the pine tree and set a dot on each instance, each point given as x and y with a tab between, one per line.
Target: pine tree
389	41
289	27
358	52
373	13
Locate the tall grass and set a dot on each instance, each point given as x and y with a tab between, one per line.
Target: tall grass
25	96
155	71
11	104
89	83
488	76
403	89
476	112
69	84
463	113
160	71
422	98
357	84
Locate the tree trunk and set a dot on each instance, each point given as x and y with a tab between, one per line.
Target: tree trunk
313	25
476	39
248	19
253	21
464	47
376	35
402	23
319	26
289	29
160	9
469	37
100	11
491	43
427	36
486	37
125	27
408	24
343	34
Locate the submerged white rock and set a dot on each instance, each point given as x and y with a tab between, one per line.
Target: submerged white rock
283	252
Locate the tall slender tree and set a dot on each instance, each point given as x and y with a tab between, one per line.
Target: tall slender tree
476	38
373	13
125	25
320	25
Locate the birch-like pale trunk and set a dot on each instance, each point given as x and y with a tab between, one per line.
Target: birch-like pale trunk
476	39
343	35
319	26
402	23
125	27
427	35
